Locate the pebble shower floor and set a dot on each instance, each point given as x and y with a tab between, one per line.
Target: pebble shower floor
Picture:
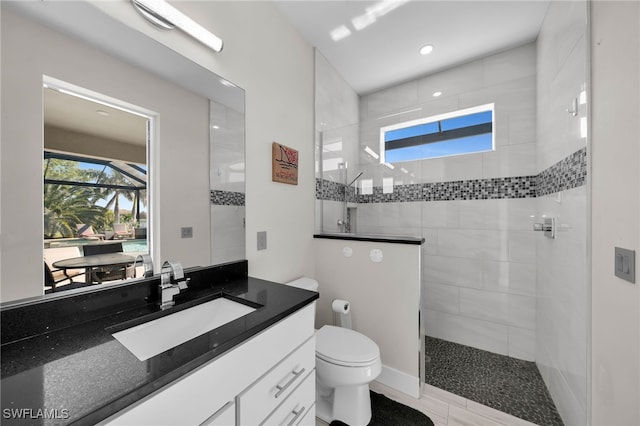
507	384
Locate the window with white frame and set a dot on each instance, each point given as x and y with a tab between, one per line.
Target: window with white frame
460	132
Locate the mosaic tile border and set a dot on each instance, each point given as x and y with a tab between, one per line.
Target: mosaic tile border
568	173
226	198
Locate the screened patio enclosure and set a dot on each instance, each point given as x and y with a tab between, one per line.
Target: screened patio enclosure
94	192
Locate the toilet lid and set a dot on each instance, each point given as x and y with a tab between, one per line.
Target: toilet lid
342	346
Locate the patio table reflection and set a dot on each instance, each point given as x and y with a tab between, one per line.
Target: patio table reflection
100	267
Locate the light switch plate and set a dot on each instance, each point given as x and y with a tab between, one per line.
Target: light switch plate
625	264
262	240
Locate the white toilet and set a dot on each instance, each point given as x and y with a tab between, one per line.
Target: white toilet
346	362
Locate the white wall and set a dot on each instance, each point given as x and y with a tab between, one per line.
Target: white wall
562	268
615	204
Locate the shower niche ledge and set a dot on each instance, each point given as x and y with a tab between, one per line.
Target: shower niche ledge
376	238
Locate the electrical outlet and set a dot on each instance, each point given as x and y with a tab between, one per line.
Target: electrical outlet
262	240
186	232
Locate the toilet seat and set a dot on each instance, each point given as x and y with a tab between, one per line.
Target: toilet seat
342	346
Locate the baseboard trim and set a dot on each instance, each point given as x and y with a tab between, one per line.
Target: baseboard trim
400	381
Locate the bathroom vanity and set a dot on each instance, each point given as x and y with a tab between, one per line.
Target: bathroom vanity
61	363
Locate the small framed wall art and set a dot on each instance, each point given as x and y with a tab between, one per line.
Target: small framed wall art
284	164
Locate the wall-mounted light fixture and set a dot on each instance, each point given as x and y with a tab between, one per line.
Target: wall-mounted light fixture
163	15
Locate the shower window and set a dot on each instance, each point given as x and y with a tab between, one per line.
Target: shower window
460	132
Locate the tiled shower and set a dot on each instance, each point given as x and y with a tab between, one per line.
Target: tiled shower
489	281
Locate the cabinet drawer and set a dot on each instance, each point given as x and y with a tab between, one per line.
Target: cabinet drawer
295	409
225	416
267	393
309	418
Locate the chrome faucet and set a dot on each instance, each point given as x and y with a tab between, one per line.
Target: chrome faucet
147	264
168	287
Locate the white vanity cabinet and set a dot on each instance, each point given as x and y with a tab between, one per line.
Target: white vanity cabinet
223	417
265	395
268	379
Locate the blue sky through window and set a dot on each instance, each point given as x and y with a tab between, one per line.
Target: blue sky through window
463	145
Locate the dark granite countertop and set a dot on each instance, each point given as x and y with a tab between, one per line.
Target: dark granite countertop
78	373
376	238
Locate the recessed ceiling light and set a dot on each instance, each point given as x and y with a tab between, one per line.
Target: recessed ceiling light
426	49
436	94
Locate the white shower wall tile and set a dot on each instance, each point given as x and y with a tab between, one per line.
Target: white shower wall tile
561	137
331	212
510	277
572	410
522	129
336	104
508	309
227	233
441	214
436	106
404	216
510	160
480	334
510	65
508	95
454	271
434	170
451	82
484	305
522	311
522	343
506	214
461	167
442	298
473	244
392	100
430	246
522	247
318	213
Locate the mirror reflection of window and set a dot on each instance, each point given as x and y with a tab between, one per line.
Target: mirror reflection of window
95	198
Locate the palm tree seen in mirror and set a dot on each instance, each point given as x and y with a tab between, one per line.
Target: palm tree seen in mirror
66	205
76	193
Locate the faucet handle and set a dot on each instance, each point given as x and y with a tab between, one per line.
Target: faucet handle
184	284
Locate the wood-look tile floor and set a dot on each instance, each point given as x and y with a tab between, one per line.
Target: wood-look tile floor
447	409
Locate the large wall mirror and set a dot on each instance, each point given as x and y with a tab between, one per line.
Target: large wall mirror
126	123
95	187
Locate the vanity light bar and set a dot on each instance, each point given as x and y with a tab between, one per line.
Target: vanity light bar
169	14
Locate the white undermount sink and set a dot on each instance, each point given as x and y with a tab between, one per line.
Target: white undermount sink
156	336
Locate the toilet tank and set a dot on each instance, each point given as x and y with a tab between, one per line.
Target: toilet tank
304	283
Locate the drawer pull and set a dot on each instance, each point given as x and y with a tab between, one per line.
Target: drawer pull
296	415
281	389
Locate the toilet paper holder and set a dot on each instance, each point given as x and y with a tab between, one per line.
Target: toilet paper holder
341	313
